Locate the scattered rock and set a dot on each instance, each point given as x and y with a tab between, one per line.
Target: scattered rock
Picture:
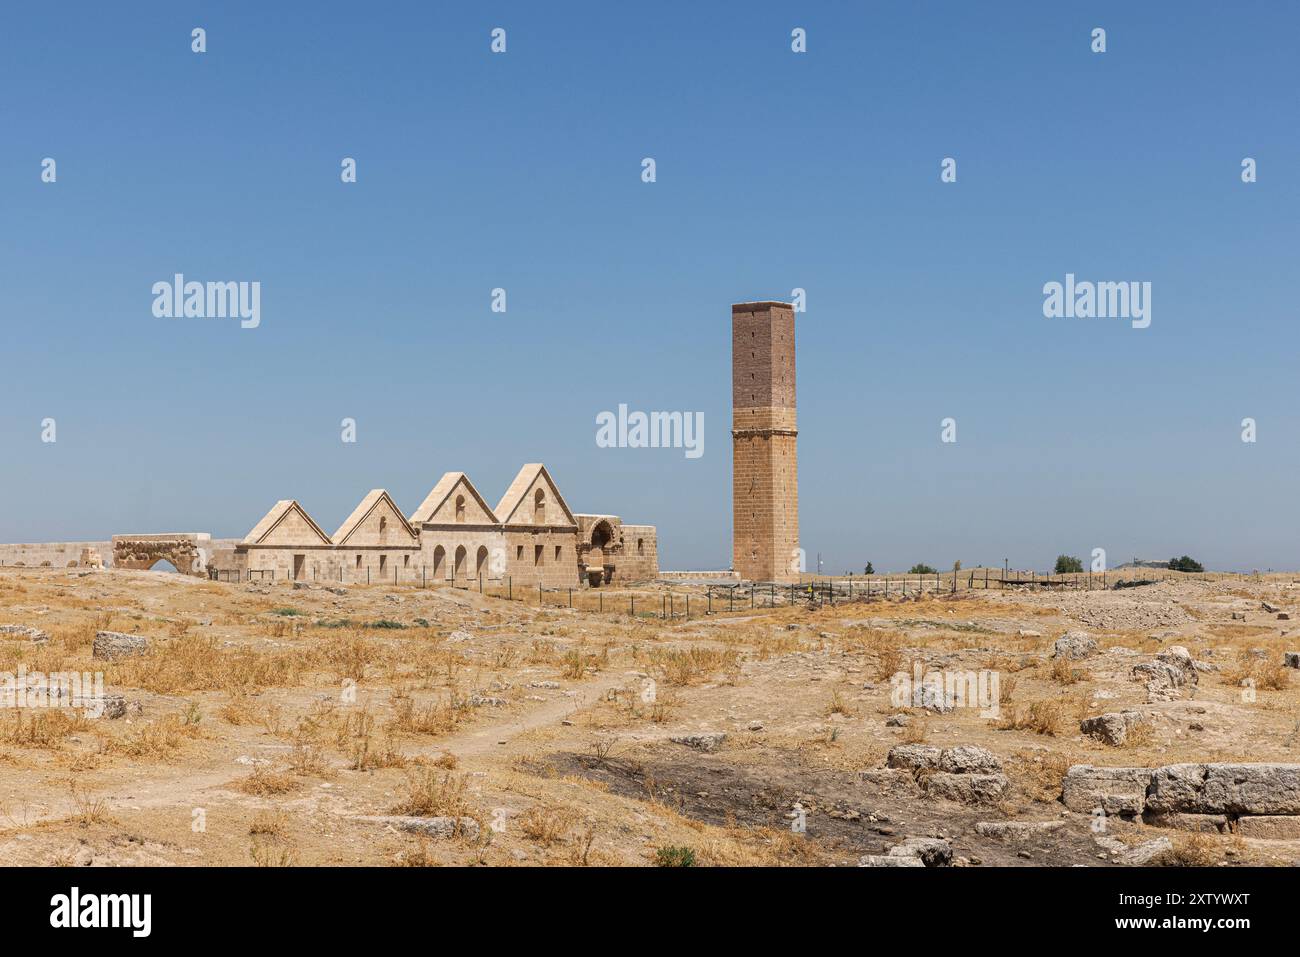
1074	645
897	721
1171	670
701	741
913	757
115	644
24	631
932	851
965	788
969	759
882	860
1111	728
1016	830
755	726
439	827
1291	659
1144	853
889	779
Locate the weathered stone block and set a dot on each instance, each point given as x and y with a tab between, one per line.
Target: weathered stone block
115	644
1119	791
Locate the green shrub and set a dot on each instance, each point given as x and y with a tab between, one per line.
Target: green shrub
1067	563
674	857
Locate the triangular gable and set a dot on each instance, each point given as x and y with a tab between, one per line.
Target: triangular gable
364	521
287	523
516	505
439	506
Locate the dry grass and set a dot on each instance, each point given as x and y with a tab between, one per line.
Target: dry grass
266	783
546	825
269	824
1041	717
430	794
693	665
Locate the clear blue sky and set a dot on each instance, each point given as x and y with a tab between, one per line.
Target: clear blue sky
775	171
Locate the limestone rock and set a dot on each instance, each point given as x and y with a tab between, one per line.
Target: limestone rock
115	644
891	779
969	759
701	741
1172	670
1074	645
439	827
1266	789
1112	728
1200	823
913	757
884	860
1017	830
932	851
24	631
1146	852
966	788
1291	659
1120	791
1270	827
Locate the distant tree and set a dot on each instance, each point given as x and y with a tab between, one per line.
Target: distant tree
921	569
1068	563
869	570
1186	564
956	566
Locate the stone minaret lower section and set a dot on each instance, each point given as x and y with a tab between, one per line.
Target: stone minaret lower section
765	471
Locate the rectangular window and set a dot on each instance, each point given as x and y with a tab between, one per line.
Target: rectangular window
383	562
558	550
537	554
519	552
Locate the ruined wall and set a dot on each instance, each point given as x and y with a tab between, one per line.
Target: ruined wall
640	558
52	554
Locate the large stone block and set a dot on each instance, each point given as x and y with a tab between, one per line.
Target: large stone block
1119	791
1226	789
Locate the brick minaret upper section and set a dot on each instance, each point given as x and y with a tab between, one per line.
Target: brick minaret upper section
765	471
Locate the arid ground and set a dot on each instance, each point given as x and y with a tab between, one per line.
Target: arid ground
392	725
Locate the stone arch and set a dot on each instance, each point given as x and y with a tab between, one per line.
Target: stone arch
539	507
188	552
459	571
439	561
481	562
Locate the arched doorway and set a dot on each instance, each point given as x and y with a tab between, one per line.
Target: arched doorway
460	561
481	562
163	565
439	562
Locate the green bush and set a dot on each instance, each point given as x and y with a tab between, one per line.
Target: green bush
674	857
1067	563
1186	564
921	569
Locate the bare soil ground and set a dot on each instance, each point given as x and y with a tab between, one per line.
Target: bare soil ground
279	726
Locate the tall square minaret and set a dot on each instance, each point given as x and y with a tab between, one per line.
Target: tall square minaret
765	469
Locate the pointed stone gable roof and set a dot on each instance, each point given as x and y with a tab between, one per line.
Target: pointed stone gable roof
373	500
518	489
276	516
442	491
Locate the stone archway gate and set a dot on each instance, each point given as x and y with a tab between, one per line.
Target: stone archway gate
190	552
